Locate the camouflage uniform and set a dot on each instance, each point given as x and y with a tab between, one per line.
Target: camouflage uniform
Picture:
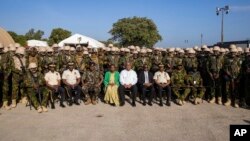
189	63
65	58
91	79
178	83
231	70
156	60
4	74
214	66
245	75
168	62
18	73
29	82
194	80
112	59
33	59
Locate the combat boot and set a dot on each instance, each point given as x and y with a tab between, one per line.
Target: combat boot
212	100
178	101
236	105
183	102
228	103
219	101
24	100
44	109
199	101
196	101
13	104
88	101
243	104
39	109
94	101
5	105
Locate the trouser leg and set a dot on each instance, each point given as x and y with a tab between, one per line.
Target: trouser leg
152	93
32	95
77	93
143	94
133	92
168	89
45	94
121	93
62	94
160	93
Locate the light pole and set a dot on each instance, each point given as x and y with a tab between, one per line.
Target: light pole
201	38
222	10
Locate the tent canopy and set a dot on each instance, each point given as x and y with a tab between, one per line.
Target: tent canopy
37	43
5	37
81	39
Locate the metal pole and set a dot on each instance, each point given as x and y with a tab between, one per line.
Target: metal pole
201	38
222	23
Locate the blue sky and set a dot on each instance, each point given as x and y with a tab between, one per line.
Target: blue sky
177	20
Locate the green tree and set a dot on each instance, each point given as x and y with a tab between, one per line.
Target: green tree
135	31
21	39
58	34
32	34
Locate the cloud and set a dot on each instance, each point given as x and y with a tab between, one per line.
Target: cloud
240	8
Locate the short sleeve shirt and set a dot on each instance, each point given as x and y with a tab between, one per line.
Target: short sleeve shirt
71	76
161	77
52	78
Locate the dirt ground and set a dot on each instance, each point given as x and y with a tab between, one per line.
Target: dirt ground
207	122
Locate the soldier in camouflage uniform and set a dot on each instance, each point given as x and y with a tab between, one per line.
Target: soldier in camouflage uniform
32	57
142	60
231	70
195	82
178	57
202	67
51	58
156	60
178	84
190	60
122	59
42	56
135	61
4	73
112	58
168	61
214	66
18	70
245	78
65	58
79	57
35	88
85	62
101	59
94	58
91	84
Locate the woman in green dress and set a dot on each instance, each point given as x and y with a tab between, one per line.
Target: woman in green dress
111	82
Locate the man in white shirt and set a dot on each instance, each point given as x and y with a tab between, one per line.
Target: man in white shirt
128	80
71	79
53	82
162	81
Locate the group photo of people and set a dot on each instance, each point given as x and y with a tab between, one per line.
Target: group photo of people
39	77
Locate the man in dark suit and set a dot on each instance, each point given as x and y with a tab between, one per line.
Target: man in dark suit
146	82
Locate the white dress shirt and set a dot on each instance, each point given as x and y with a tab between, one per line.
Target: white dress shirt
52	78
71	76
128	77
146	77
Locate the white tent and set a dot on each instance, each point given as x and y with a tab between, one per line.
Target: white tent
37	43
81	39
